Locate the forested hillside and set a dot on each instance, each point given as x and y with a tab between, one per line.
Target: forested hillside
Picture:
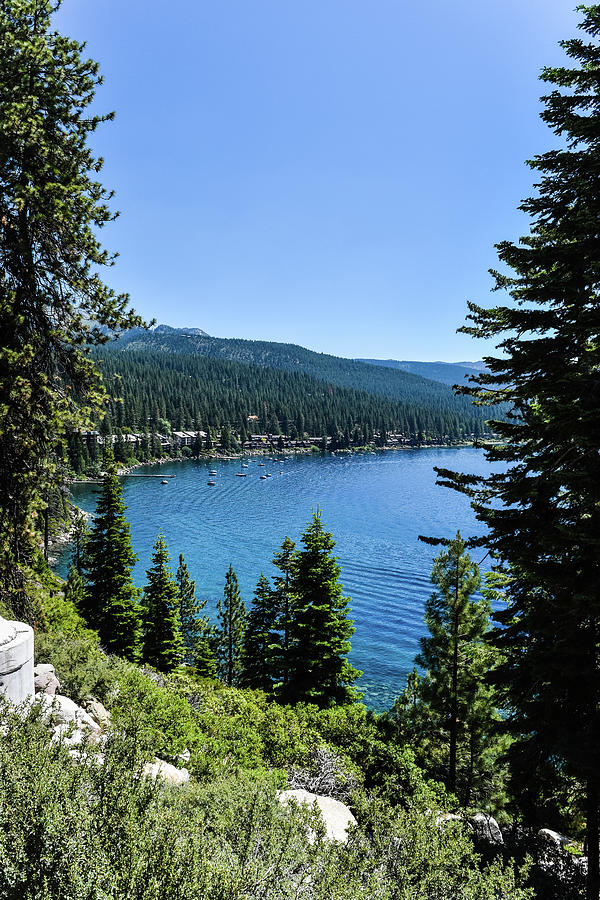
445	373
347	373
187	389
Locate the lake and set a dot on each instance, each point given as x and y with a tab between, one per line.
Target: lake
375	504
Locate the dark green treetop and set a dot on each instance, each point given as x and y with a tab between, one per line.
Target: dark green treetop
51	210
163	642
229	639
283	598
195	627
542	505
74	589
319	669
110	603
456	659
261	642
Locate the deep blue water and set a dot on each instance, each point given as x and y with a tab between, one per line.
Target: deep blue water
375	505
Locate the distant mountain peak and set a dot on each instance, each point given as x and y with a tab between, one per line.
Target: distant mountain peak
169	329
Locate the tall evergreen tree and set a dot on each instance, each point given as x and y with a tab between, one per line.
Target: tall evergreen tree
195	628
261	641
283	601
52	299
542	507
319	670
110	603
163	643
456	659
74	589
230	631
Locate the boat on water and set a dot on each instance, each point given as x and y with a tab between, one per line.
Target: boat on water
212	473
261	464
164	481
263	477
241	474
211	482
269	475
244	465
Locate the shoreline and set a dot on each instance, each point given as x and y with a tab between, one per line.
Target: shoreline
302	451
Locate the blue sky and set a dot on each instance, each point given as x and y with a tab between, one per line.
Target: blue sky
332	173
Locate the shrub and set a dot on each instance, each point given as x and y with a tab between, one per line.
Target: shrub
82	668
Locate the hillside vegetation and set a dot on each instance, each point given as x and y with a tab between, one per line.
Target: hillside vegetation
186	388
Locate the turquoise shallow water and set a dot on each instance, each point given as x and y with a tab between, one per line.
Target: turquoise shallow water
375	505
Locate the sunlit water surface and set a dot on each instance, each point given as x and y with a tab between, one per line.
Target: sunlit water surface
376	506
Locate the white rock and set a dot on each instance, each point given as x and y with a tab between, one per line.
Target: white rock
335	814
98	712
486	828
70	737
46	683
64	711
553	838
166	772
44	669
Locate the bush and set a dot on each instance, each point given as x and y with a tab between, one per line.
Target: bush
82	668
98	830
161	721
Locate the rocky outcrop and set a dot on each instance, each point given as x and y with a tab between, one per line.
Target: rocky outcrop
166	772
45	680
97	711
16	661
486	829
63	711
336	816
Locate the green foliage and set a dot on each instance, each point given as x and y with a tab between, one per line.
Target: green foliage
297	382
163	642
152	711
459	705
52	300
319	671
83	829
83	670
284	560
56	612
111	601
75	588
542	504
225	392
196	630
261	643
229	640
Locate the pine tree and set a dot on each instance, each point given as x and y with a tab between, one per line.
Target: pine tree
53	301
261	641
111	601
542	507
283	600
195	628
163	643
456	659
230	632
74	589
319	670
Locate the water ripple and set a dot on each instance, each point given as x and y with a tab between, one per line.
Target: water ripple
375	505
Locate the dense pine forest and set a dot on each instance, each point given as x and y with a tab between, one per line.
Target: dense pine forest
348	373
187	389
